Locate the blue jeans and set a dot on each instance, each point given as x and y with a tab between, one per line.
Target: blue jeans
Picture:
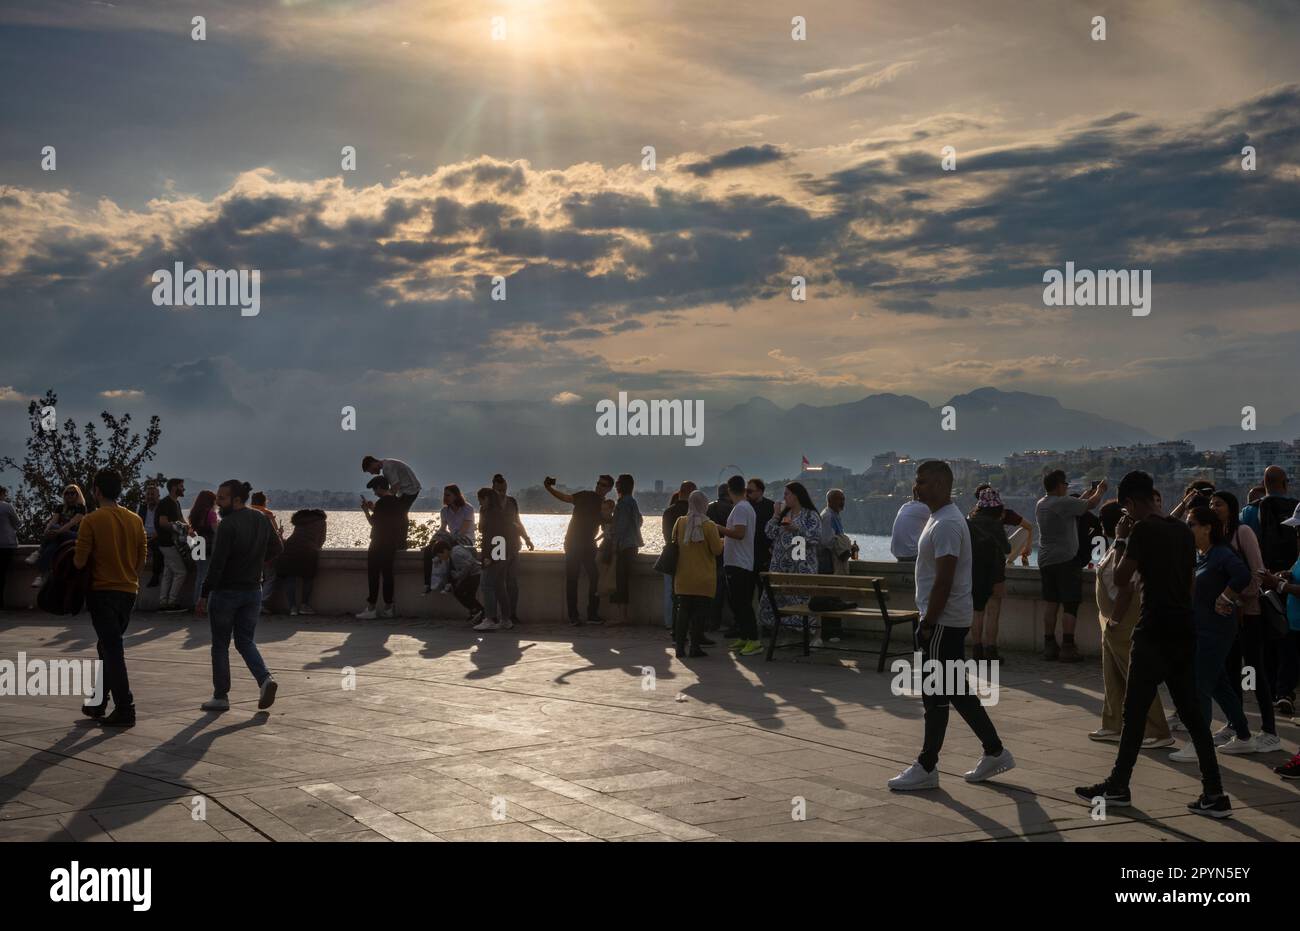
234	612
291	585
1214	639
668	601
200	573
494	593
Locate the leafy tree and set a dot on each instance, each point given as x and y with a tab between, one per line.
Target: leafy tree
62	456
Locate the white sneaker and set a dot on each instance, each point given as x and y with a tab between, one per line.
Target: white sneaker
1223	735
388	611
1156	743
293	612
487	624
816	643
36	582
216	704
306	609
1237	747
1106	734
915	777
1175	724
32	557
1267	743
507	624
1184	754
367	615
990	766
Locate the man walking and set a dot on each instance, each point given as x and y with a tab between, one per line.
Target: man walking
401	478
171	536
943	598
111	541
232	591
1163	551
580	544
1058	546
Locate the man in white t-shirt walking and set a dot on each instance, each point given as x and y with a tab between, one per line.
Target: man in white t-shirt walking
943	598
738	566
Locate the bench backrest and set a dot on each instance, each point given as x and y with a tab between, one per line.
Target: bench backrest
845	586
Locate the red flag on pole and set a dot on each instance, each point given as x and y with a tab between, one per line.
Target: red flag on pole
806	463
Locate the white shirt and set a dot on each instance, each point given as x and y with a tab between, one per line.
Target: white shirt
740	553
401	479
946	534
908	524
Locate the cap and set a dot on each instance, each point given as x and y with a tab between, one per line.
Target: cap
988	498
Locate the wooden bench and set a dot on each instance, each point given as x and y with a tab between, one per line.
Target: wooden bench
859	589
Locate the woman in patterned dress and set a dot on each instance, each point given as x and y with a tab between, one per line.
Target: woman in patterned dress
796	518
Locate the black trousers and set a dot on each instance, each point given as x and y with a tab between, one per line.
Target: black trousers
379	564
622	575
110	613
740	592
1171	660
692	611
578	558
944	644
466	591
1248	650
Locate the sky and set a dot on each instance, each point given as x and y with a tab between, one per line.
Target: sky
521	156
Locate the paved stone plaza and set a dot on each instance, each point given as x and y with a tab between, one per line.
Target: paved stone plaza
549	735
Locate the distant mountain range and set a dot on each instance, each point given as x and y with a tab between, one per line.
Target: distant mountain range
1286	430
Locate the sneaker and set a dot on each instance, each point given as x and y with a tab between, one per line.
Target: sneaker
1156	743
1267	743
1184	754
1223	735
596	620
487	624
121	717
216	704
506	623
737	645
1289	769
914	778
1285	707
816	643
33	557
751	647
1238	747
1115	798
268	690
367	615
1106	734
388	611
1070	653
575	621
475	617
306	609
832	639
1051	652
293	612
1216	806
1175	723
95	711
37	582
990	766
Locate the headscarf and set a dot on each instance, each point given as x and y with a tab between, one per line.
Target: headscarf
696	514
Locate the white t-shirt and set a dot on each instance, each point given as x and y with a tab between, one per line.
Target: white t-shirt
946	534
740	553
908	524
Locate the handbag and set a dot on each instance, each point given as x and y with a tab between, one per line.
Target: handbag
667	561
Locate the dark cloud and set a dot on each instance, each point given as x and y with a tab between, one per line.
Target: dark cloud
746	156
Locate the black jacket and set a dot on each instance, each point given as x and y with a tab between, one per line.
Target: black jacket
245	542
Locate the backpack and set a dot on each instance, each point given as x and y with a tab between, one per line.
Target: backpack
1277	544
64	591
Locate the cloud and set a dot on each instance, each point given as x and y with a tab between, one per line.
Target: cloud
872	80
746	156
566	397
122	394
9	393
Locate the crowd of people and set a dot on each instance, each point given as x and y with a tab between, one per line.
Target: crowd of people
1204	599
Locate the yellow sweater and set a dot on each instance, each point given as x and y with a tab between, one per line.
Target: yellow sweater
111	539
696	562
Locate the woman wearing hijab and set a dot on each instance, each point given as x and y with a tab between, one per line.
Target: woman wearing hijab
698	547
